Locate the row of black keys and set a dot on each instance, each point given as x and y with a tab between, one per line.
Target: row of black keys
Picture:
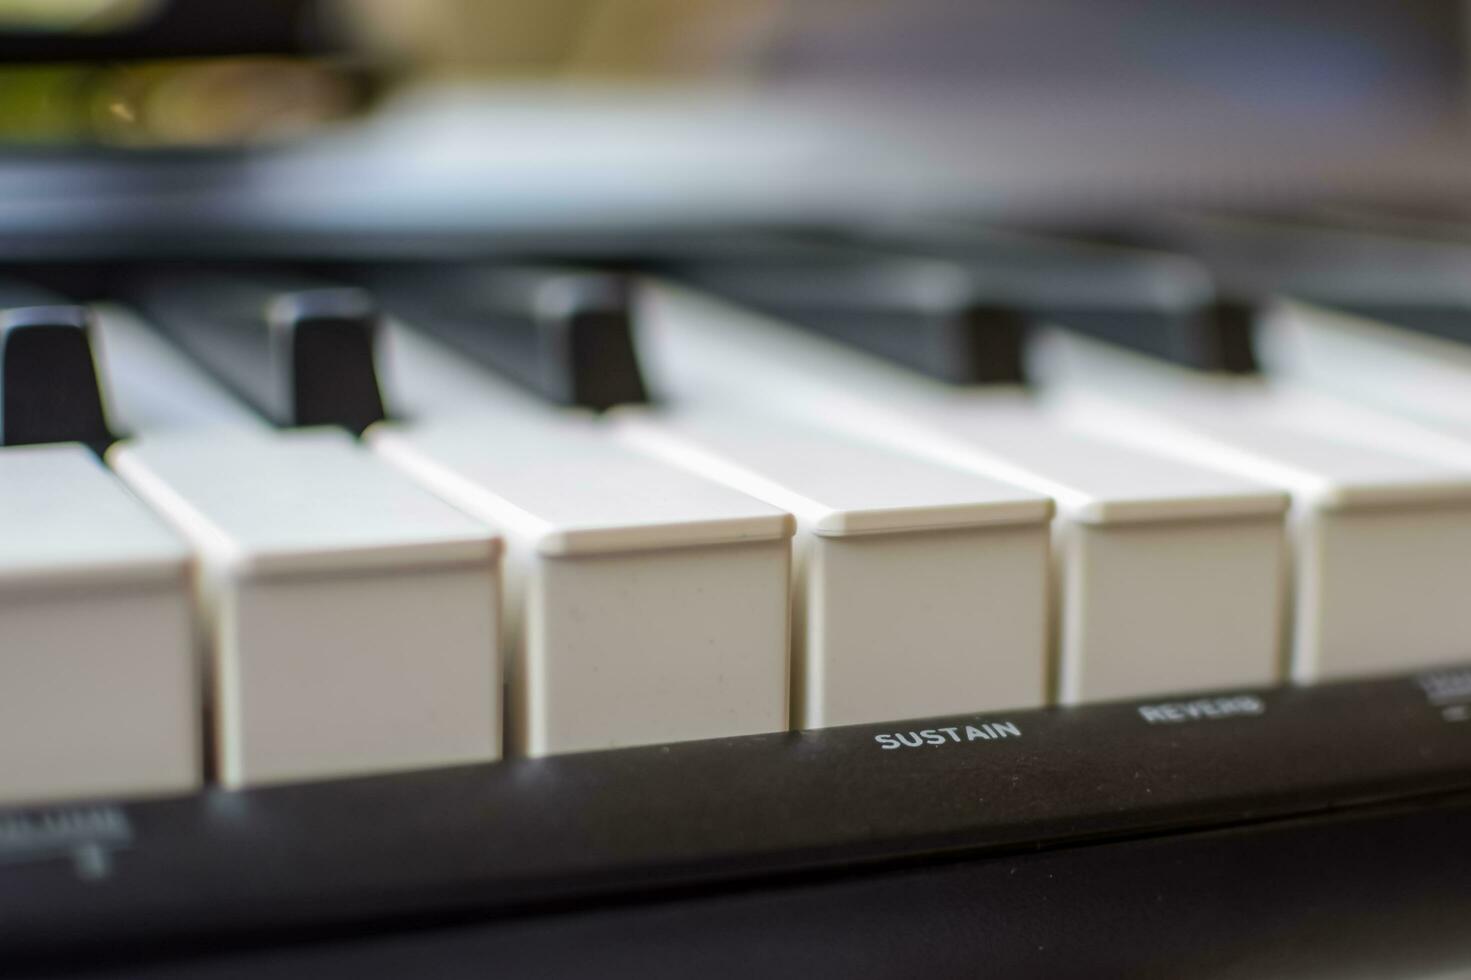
302	352
953	303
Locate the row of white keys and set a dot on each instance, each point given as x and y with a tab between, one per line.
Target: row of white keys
920	590
1381	508
351	616
647	605
1139	610
98	691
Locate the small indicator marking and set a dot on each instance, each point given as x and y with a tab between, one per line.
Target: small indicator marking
1202	709
949	735
87	835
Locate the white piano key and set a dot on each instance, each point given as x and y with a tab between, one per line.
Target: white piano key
150	386
1370	362
422	378
351	616
1169	575
653	605
98	687
1382	537
920	590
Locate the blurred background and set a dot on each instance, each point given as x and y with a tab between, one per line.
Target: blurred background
138	120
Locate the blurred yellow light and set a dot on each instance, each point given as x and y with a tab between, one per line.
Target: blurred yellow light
90	16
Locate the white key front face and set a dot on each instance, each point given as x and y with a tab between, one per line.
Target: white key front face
648	605
1144	615
921	590
922	623
652	647
1382	592
98	685
351	616
322	676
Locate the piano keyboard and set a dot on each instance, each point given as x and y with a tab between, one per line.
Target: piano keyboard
476	592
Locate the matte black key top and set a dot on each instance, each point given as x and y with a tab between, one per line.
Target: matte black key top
48	381
1154	303
1393	275
930	315
564	334
300	353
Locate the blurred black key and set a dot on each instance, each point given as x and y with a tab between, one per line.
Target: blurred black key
300	353
48	381
1380	271
1446	321
1215	337
930	315
1153	303
564	334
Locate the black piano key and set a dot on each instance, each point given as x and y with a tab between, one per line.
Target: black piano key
930	315
48	379
333	367
1217	337
1153	303
300	353
564	334
1384	271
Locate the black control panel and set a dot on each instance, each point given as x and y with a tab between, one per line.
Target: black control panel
535	836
